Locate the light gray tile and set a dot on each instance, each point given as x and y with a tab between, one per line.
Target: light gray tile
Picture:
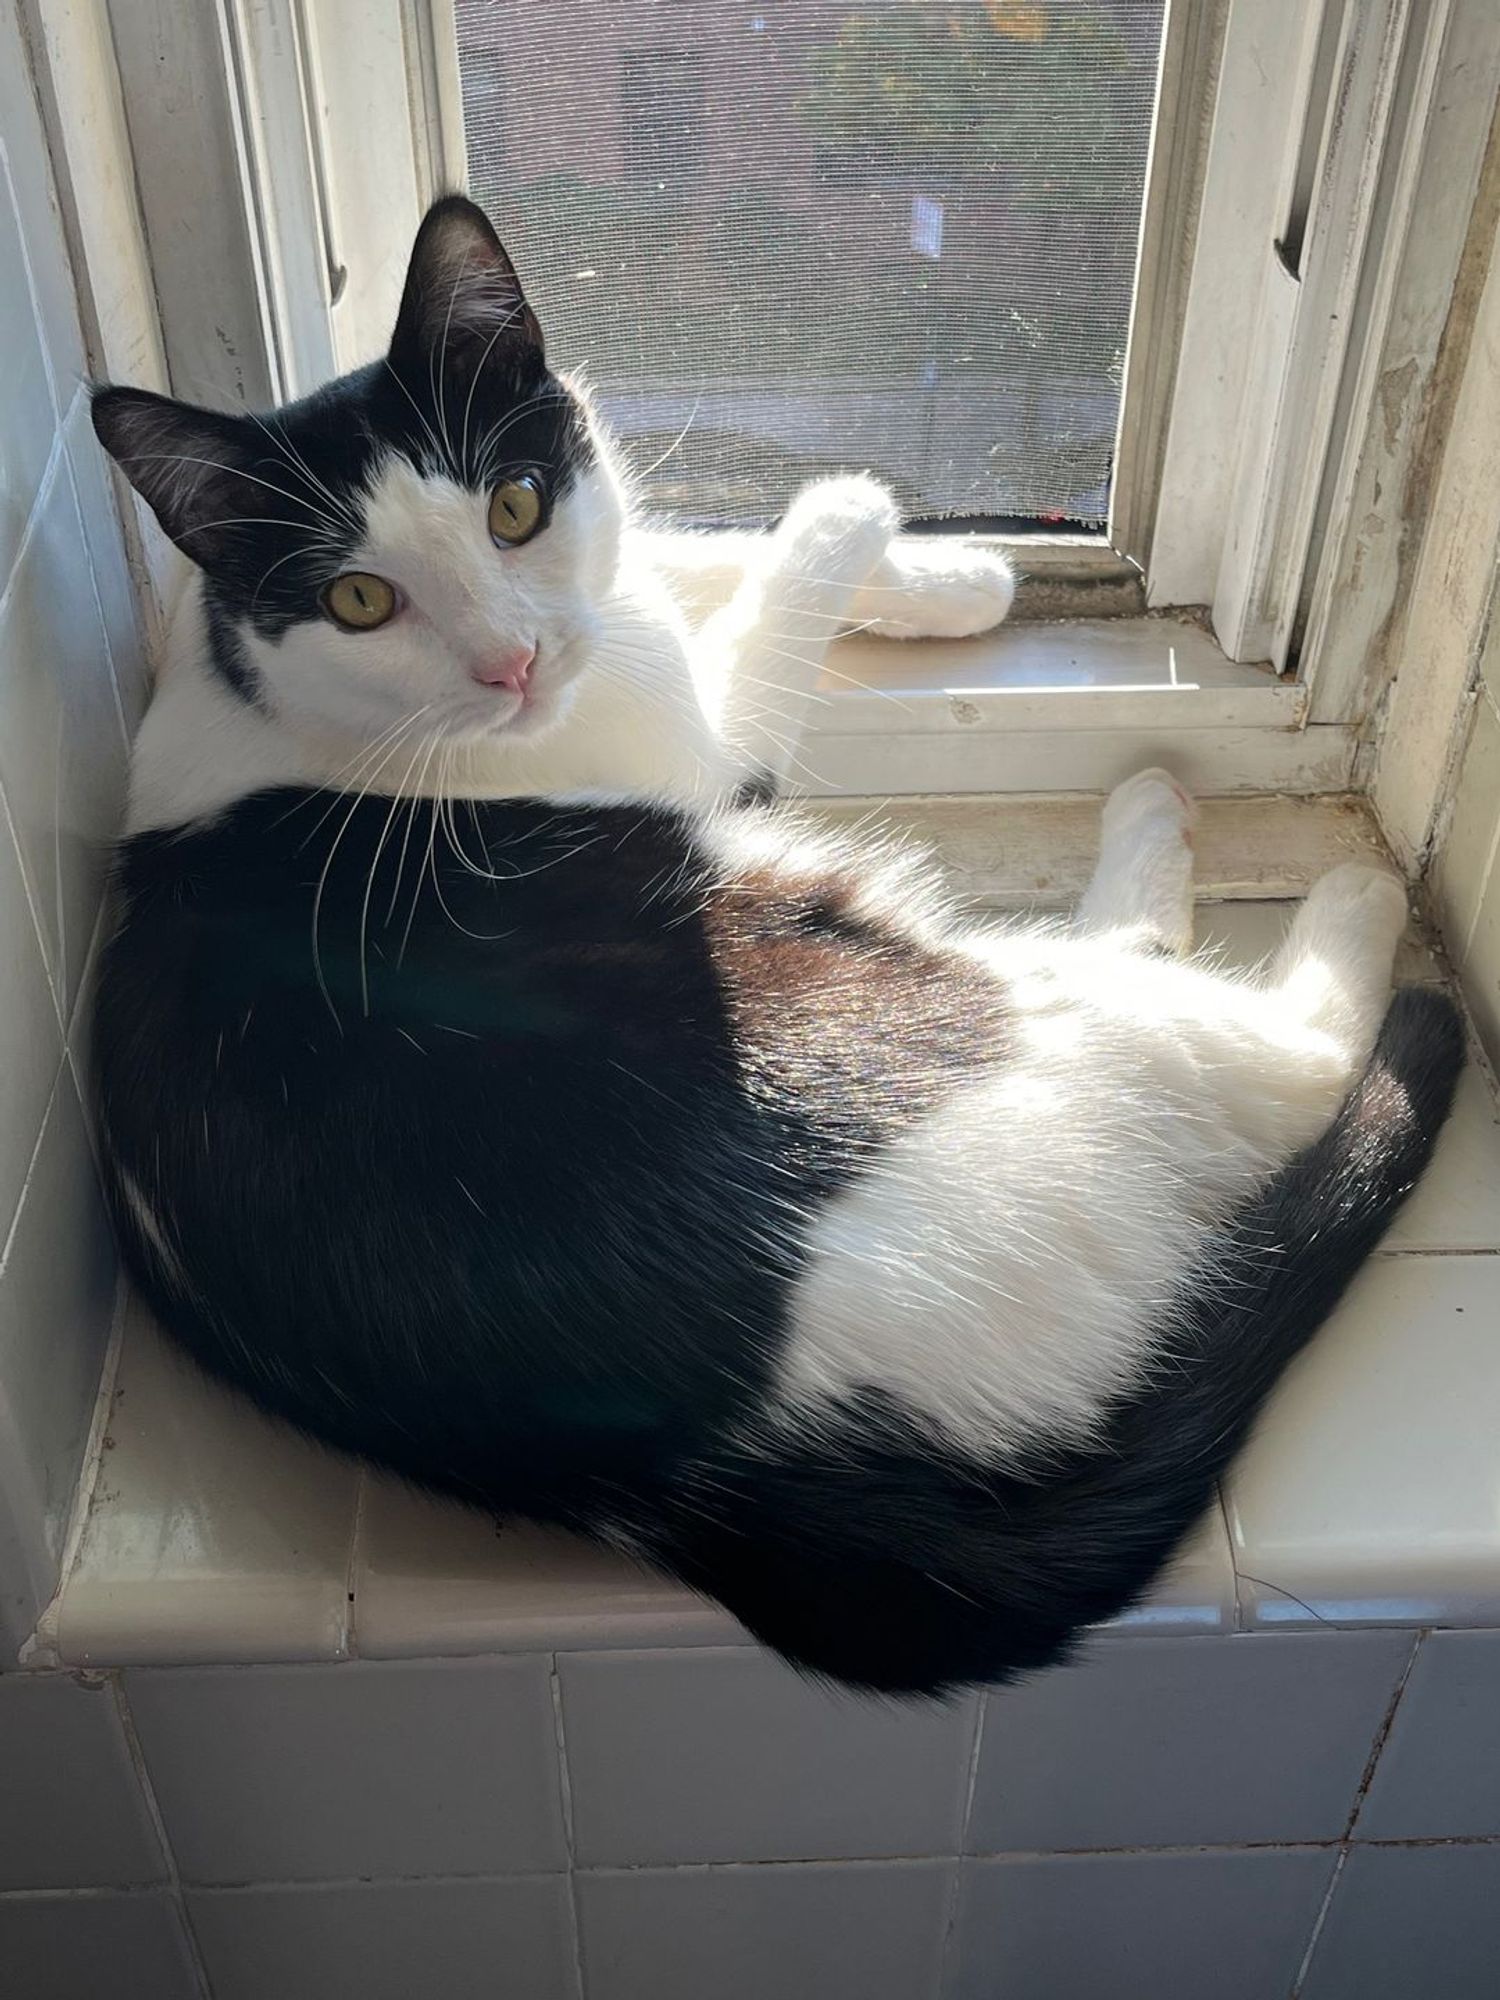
296	1773
1439	1774
104	1947
1467	855
28	421
1411	1923
1456	1205
856	1932
1366	1493
214	1535
1480	971
1185	1742
1137	1926
730	1756
92	482
30	1034
435	1577
74	1815
57	1294
474	1940
31	173
62	745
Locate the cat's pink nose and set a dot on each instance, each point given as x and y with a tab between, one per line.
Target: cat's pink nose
507	670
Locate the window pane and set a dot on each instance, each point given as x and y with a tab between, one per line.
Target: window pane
800	235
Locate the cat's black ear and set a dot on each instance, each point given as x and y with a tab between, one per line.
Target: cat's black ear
463	301
192	467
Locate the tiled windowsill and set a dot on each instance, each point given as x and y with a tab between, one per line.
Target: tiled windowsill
1367	1496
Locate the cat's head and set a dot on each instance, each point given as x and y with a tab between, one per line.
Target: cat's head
430	536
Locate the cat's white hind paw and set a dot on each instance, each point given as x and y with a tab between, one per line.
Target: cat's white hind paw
1152	795
935	588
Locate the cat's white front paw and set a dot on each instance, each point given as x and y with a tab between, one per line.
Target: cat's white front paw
934	588
851	504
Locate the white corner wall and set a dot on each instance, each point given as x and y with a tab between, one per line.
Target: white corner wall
1466	872
71	685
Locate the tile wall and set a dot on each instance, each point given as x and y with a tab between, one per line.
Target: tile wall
1309	1814
1466	875
71	683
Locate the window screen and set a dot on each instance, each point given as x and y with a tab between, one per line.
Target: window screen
806	236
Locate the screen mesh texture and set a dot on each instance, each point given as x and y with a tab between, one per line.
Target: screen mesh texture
805	236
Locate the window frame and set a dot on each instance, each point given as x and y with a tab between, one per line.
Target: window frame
1256	448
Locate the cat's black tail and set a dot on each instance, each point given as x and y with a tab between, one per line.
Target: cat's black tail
870	1556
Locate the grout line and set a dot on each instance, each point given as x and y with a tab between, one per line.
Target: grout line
351	1572
311	1885
31	1165
1382	1734
1240	1624
50	474
1305	1966
31	905
950	1918
153	1811
565	1785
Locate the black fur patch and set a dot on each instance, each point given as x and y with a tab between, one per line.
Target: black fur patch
487	1146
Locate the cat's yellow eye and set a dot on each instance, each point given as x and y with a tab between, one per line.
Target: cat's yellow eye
359	602
516	509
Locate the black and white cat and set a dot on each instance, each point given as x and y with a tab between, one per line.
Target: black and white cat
484	1091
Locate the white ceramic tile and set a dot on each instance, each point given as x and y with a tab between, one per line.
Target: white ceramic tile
1467	855
730	1756
448	1767
1195	1592
1439	1773
62	747
30	1037
1480	972
28	422
472	1940
1185	1743
437	1578
31	175
1137	1926
871	1932
1367	1494
57	1295
74	1814
1457	1203
1411	1923
101	528
214	1533
109	1946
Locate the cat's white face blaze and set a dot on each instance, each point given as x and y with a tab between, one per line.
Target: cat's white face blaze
467	610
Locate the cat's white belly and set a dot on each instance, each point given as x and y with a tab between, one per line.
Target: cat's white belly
1009	1265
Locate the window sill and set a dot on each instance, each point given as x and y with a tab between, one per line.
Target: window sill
1366	1496
1066	707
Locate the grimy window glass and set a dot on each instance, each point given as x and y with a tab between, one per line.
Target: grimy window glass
802	236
